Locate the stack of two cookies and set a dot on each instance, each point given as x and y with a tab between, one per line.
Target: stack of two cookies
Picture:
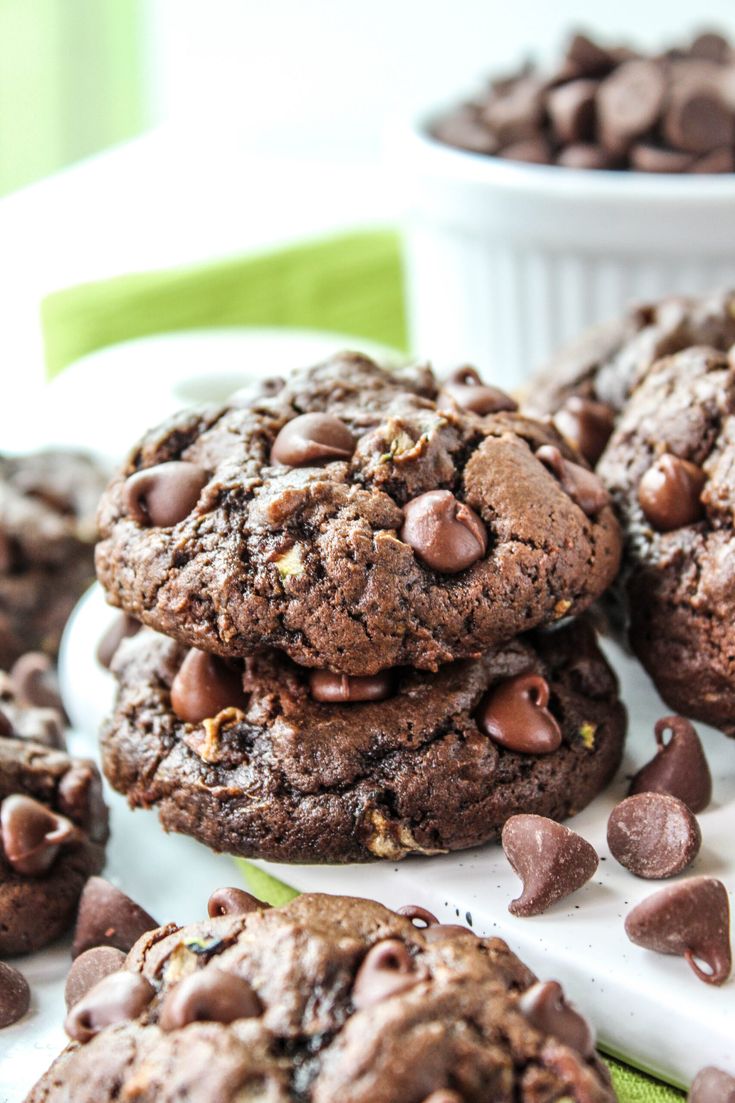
361	587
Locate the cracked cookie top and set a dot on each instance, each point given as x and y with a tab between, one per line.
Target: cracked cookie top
326	999
355	519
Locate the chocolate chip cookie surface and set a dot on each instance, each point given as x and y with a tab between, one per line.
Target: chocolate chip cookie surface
47	531
669	468
330	1000
355	523
266	759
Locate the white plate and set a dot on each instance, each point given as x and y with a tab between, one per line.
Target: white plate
649	1009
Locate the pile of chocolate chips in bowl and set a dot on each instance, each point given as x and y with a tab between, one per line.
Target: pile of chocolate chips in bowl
609	108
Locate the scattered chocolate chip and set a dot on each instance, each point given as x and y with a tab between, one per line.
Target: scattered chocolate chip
336	689
678	768
15	995
34	680
587	424
551	860
118	997
107	917
466	389
653	835
691	919
442	931
122	628
90	968
712	1085
444	532
670	493
629	102
571	109
210	995
232	901
545	1007
697	119
413	912
80	795
387	969
312	439
582	486
165	494
205	685
32	834
515	715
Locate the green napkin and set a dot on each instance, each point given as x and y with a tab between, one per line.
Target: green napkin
352	284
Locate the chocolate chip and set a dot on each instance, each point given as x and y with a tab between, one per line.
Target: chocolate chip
117	998
6	728
551	860
678	768
205	685
515	715
645	157
719	160
35	683
584	155
534	151
628	103
336	689
653	835
232	901
210	995
15	995
582	486
516	112
670	493
444	532
587	424
463	129
571	109
90	968
312	439
712	47
122	628
165	494
466	389
442	931
32	834
712	1085
387	969
587	58
545	1007
444	1095
413	912
107	917
80	795
697	119
691	919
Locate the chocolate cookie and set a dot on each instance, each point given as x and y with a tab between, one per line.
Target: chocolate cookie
329	999
266	759
669	470
53	829
606	364
47	532
355	523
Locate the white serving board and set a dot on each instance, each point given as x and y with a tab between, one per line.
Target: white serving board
649	1009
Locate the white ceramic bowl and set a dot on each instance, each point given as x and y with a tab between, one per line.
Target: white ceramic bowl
506	261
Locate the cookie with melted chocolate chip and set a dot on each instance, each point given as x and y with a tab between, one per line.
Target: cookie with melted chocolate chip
330	999
357	520
267	759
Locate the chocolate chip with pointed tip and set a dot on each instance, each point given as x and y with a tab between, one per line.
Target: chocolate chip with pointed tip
205	685
690	919
544	1006
466	389
32	834
670	492
515	715
15	995
89	969
712	1085
107	917
414	912
164	495
582	486
80	796
124	627
387	969
551	860
587	424
653	835
34	680
312	439
678	768
337	689
210	995
445	533
233	901
117	998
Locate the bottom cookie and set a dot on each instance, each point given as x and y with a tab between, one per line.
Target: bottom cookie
300	766
327	999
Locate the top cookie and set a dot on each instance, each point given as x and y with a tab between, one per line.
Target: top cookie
383	528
